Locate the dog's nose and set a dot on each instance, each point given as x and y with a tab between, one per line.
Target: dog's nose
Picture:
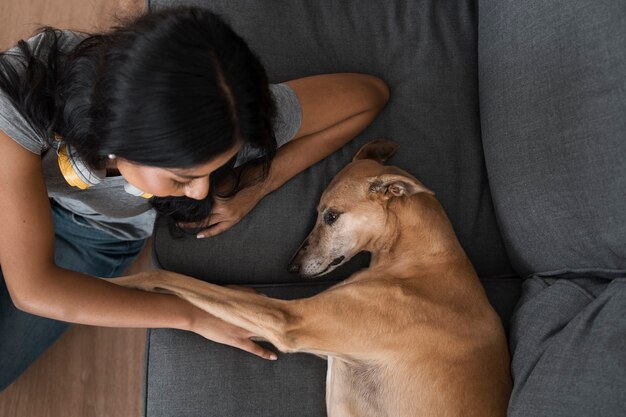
294	268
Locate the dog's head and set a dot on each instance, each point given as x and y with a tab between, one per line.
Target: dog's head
352	211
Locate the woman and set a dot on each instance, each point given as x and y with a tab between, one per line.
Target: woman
172	106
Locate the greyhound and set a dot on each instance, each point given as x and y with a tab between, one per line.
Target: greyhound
412	335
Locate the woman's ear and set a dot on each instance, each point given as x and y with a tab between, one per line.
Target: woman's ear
379	150
396	185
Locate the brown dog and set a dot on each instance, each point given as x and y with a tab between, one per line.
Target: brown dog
412	335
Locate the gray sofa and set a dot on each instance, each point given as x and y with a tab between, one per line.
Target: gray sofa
514	113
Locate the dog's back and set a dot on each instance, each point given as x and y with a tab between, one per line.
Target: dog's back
432	349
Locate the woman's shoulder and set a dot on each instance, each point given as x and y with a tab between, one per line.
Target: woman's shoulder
14	120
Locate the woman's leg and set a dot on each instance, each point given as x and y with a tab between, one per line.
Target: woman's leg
78	247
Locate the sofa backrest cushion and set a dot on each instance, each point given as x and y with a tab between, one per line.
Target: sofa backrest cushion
426	52
552	81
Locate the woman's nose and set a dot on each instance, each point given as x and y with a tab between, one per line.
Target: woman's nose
198	189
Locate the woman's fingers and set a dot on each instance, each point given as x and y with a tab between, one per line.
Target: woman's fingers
212	220
220	331
256	349
215	229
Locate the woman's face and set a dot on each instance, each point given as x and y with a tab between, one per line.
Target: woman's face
173	182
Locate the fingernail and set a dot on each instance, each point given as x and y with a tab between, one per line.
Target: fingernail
200	236
273	357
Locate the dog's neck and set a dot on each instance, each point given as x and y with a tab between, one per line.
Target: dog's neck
417	232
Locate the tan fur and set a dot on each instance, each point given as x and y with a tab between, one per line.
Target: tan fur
412	335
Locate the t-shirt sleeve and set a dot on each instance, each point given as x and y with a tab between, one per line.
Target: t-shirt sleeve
17	127
12	122
286	123
288	113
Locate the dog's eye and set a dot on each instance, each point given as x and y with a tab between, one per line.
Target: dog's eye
330	217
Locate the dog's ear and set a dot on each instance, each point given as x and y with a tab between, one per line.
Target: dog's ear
396	185
379	150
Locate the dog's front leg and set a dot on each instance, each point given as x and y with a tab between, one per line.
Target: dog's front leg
339	321
271	319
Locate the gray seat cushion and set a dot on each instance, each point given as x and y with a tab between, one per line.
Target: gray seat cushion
568	341
188	376
426	51
553	110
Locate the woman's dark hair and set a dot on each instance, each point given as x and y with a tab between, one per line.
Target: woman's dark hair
172	88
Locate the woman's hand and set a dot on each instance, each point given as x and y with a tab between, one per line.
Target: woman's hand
227	212
217	330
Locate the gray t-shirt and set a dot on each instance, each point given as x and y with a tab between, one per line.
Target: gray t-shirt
106	206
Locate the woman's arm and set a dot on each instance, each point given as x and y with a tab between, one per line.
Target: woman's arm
335	108
38	286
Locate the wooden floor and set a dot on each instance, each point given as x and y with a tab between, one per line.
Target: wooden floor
90	371
19	18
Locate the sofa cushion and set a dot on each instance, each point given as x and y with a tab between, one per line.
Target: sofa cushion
552	81
426	51
568	345
186	375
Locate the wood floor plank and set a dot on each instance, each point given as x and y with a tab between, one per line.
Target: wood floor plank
89	372
19	18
